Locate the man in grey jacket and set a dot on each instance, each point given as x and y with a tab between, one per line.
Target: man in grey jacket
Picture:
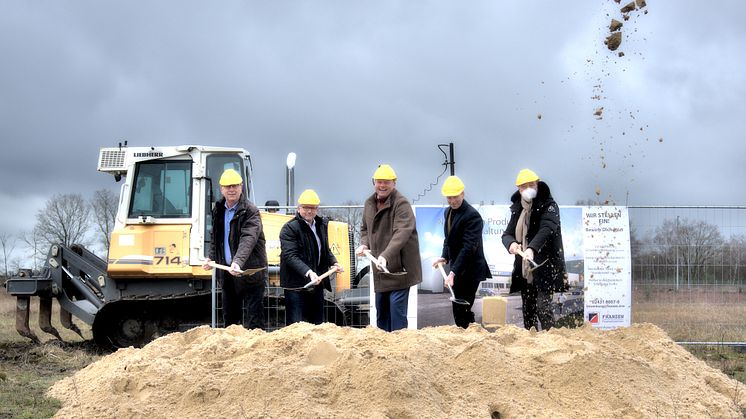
389	231
238	241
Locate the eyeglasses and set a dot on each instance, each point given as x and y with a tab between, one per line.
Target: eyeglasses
308	208
231	186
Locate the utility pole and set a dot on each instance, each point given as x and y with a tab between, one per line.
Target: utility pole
677	252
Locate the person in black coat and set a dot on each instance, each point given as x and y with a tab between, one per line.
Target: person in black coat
304	256
534	230
463	250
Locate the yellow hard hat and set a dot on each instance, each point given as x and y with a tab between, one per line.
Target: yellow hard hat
525	176
384	172
308	197
230	177
453	186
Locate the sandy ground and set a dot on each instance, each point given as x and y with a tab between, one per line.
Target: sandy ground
328	371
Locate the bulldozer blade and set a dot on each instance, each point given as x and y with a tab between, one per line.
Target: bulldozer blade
45	317
66	318
22	314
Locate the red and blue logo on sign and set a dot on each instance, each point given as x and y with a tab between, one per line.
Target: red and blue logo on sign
593	318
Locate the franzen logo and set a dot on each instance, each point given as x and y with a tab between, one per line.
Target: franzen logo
613	316
593	318
150	154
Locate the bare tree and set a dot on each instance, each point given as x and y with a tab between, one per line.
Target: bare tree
735	258
35	242
8	244
689	246
64	219
104	204
352	214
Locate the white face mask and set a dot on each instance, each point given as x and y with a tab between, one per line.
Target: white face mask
528	194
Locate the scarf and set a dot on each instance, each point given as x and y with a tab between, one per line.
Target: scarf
521	230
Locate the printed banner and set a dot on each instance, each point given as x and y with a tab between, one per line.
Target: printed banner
608	267
586	253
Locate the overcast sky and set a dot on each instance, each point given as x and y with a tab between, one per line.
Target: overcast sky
350	84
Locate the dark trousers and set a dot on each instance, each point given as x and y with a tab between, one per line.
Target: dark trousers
305	305
464	289
240	290
537	305
391	309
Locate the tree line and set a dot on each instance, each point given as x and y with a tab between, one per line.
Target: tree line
67	219
689	252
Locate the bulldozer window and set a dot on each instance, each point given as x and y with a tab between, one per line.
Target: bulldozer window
162	189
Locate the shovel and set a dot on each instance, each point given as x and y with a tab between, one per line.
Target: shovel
246	272
311	283
533	264
382	268
453	296
375	261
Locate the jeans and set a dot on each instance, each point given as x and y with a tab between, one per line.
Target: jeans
391	309
238	291
307	306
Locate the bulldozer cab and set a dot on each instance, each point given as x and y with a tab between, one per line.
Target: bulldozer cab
164	216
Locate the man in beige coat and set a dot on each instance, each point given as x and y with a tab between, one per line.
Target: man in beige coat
389	231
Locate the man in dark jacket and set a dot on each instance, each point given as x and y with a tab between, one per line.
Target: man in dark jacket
238	241
389	231
534	231
305	254
463	250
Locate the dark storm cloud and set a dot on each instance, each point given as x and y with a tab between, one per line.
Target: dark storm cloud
347	85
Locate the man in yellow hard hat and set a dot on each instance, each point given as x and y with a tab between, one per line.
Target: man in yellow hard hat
463	250
389	232
238	241
305	254
534	231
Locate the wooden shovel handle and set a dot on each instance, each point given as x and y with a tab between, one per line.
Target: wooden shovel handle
375	260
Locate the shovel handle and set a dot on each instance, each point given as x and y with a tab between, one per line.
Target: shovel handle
223	267
375	260
522	254
327	273
445	277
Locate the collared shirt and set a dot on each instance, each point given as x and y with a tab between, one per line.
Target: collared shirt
229	213
318	240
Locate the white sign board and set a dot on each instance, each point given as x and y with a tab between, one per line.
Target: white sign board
608	267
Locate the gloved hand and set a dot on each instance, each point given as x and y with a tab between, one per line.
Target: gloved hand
382	262
361	250
513	248
529	253
235	269
438	262
206	265
449	279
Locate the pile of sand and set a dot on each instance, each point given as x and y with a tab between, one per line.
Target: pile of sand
327	371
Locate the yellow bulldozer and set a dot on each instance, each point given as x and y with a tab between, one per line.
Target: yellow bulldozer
153	282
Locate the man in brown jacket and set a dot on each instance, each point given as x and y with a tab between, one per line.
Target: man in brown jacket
388	230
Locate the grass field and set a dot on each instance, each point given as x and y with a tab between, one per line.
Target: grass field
28	370
699	315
